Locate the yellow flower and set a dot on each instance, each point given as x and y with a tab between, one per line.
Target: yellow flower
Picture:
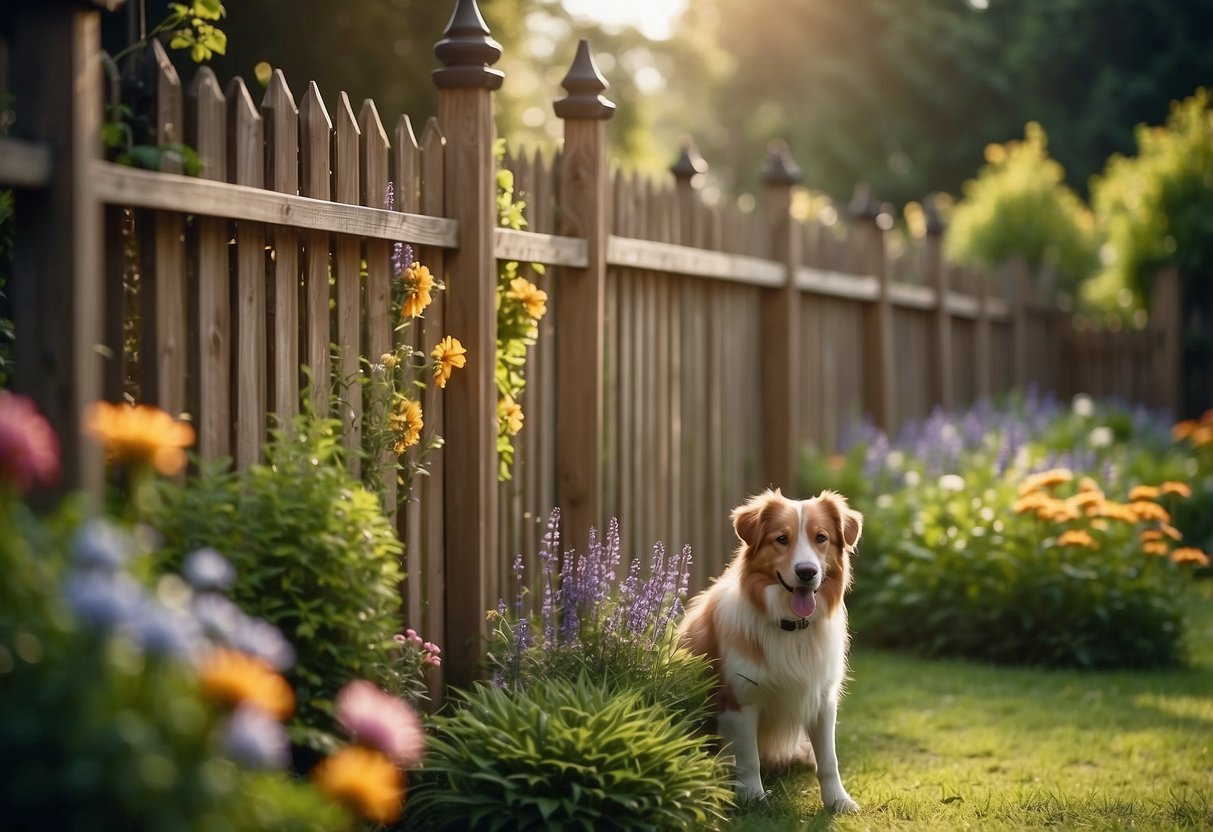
1149	534
1171	532
1145	510
418	284
1190	554
1086	498
1154	547
509	414
1077	537
448	355
529	295
1143	492
1045	479
389	360
1203	435
1088	484
364	780
142	435
1173	487
406	422
1033	501
233	678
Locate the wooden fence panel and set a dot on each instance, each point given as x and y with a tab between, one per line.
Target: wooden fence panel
912	348
831	396
347	271
964	361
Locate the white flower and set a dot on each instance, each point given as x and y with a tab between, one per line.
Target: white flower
1101	437
895	460
912	478
884	501
1083	406
951	482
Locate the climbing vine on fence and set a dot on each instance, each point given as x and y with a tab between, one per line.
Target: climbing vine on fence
520	306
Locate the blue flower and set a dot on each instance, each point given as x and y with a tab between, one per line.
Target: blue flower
98	544
256	740
102	600
165	632
207	569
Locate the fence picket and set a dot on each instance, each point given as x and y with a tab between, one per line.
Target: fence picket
373	176
280	118
211	369
246	166
315	137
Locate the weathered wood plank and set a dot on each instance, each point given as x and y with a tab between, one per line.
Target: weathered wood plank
280	118
212	375
315	147
24	164
246	166
347	262
534	247
122	185
373	179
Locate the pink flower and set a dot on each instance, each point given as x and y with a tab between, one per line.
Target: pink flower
381	721
29	449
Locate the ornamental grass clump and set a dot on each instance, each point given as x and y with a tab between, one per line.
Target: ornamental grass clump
565	754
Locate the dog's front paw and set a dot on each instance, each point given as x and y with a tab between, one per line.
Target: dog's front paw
837	800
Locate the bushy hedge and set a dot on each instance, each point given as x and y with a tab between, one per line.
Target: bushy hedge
314	555
1029	534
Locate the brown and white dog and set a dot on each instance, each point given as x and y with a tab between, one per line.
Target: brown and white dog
775	628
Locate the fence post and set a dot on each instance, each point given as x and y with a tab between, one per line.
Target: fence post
581	297
1020	296
780	323
465	112
937	275
58	256
1166	321
878	355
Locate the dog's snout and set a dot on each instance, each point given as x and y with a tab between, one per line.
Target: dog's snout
807	572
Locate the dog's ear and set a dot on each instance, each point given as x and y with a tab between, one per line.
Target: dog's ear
747	518
849	521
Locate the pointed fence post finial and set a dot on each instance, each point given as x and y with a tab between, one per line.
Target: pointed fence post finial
934	219
584	85
863	206
690	166
779	168
467	51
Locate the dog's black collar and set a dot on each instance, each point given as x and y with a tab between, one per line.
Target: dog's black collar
793	626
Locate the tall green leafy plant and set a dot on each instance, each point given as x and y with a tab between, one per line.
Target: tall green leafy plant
315	555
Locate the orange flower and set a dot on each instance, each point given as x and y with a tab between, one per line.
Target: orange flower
1149	534
1032	501
1171	532
1118	511
364	780
140	435
418	284
509	415
1182	430
532	298
1077	537
1174	487
233	678
1144	510
1086	498
1045	479
1143	492
1155	547
448	355
1203	435
1190	554
406	422
1088	484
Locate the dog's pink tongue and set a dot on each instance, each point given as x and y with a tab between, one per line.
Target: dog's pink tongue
803	601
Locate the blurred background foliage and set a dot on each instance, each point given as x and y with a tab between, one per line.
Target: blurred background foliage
933	101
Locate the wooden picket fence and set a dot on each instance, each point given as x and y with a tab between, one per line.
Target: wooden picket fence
691	354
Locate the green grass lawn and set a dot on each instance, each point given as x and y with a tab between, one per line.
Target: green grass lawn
953	745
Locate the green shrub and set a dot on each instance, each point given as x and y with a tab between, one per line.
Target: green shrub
565	755
956	562
1019	207
314	555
